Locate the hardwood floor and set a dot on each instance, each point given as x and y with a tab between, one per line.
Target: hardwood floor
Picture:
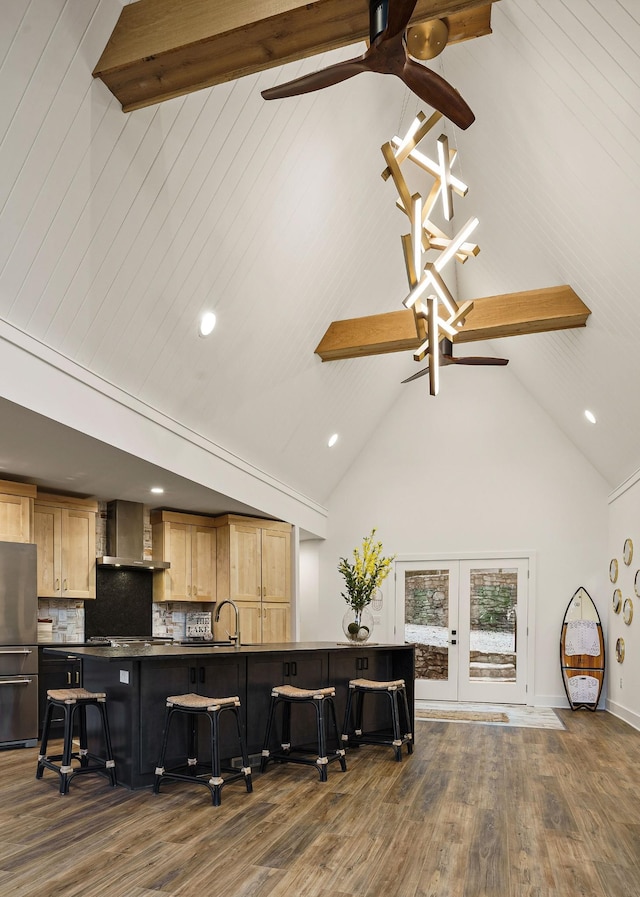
477	811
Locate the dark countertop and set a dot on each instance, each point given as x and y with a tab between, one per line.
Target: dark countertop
140	652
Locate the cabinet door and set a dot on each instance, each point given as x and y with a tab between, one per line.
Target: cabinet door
203	563
15	518
276	622
246	575
250	613
78	554
178	551
47	530
276	566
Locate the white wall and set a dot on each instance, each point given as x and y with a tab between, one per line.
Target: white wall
479	468
624	523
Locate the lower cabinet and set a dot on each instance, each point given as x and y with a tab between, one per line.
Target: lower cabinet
215	678
264	672
55	672
365	665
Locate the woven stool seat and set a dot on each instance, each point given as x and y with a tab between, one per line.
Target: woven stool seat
201	702
287	696
393	689
373	685
70	695
293	693
75	702
194	707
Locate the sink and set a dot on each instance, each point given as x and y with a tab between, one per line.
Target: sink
203	644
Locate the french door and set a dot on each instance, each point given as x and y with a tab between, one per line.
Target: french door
468	621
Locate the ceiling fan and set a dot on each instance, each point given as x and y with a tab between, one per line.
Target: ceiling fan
446	357
387	54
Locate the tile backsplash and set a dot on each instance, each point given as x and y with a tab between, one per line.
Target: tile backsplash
67	616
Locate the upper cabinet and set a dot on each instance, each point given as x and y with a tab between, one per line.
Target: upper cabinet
254	569
188	542
65	533
16	511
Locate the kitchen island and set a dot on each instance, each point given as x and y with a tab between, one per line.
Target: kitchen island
138	679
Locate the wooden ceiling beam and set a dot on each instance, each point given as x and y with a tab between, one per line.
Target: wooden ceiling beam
161	49
492	317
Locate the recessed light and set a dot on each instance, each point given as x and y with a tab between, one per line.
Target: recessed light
207	323
157	489
590	416
332	440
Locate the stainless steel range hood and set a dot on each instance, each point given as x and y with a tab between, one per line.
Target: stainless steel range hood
125	538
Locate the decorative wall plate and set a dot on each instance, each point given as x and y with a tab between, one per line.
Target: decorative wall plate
620	650
617	601
627	551
613	570
627	611
636	583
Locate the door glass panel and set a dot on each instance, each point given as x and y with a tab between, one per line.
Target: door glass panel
426	621
493	625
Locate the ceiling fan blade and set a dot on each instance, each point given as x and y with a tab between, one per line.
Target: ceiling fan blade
443	361
333	74
477	359
437	92
398	14
416	376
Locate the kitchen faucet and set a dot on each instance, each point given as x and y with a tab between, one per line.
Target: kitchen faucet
235	638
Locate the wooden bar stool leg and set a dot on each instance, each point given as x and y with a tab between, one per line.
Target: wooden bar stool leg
110	763
82	725
45	739
339	747
346	725
266	753
322	760
395	721
163	750
66	769
408	722
216	780
246	768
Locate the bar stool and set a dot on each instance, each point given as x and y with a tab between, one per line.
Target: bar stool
320	698
396	691
195	706
72	701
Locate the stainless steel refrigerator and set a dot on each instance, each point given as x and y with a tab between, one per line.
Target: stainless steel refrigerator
18	645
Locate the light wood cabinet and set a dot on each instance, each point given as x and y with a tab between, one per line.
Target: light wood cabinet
16	511
254	570
188	542
65	535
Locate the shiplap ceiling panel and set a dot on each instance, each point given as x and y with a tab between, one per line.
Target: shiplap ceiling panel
117	230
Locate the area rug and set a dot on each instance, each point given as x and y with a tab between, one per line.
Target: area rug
491	714
480	716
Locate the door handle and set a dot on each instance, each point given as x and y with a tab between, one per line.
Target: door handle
15	681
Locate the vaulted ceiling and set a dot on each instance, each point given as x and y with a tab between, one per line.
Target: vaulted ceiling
118	229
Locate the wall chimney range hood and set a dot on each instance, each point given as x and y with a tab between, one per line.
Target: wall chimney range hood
125	538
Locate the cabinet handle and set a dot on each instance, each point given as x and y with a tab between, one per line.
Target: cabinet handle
57	585
286	668
77	677
264	591
64	585
201	675
68	678
294	668
195	591
192	675
189	591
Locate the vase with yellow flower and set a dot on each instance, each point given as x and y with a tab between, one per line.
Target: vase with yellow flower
362	578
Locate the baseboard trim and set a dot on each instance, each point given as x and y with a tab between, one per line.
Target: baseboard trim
628	716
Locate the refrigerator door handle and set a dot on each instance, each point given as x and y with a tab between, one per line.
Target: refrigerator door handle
17	651
15	681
